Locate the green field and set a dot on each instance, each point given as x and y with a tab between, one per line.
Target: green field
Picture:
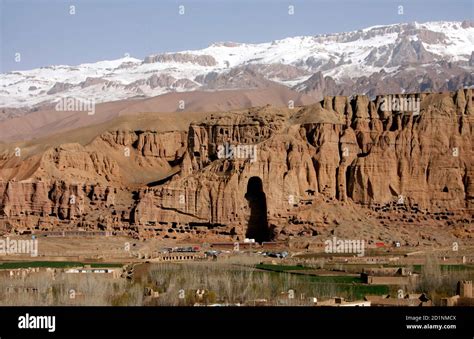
280	268
347	285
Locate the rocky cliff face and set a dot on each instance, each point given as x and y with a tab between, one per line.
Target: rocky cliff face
393	168
346	150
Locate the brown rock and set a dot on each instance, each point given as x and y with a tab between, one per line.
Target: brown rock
269	173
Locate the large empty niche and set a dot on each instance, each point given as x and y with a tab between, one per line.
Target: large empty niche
258	224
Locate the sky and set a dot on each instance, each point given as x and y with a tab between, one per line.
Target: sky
45	32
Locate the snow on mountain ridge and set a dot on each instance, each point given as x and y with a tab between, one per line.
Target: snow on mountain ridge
339	55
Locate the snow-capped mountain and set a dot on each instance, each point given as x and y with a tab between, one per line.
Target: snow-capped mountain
375	59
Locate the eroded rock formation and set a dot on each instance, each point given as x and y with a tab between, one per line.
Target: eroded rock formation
343	166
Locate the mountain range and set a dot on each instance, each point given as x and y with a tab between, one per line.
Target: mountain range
399	58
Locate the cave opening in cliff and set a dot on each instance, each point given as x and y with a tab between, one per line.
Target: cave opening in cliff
258	223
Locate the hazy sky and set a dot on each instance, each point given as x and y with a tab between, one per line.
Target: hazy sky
45	33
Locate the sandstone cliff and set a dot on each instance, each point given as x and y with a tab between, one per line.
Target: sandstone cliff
343	166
